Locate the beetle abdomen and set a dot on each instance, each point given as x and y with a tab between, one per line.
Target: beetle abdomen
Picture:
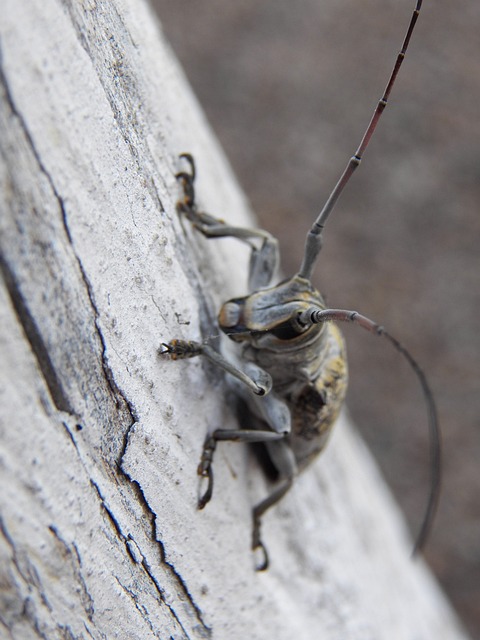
316	407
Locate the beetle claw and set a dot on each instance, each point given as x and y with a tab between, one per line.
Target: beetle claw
261	549
206	497
258	546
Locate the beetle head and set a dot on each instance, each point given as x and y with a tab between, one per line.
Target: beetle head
271	318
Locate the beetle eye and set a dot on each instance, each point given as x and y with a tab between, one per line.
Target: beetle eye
287	330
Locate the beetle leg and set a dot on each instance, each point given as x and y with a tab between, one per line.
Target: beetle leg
264	405
205	468
256	379
264	258
283	458
258	512
275	413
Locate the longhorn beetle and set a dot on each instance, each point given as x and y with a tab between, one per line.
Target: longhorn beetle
291	368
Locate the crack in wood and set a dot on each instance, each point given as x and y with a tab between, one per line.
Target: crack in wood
34	338
204	630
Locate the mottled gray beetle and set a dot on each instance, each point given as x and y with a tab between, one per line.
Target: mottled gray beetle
291	368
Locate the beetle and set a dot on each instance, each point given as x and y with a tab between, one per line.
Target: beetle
290	368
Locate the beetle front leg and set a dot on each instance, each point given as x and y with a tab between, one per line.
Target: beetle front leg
264	258
255	379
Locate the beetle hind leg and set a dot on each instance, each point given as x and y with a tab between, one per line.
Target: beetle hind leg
283	459
258	512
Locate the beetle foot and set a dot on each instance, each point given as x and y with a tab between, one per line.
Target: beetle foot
187	179
258	547
179	349
205	469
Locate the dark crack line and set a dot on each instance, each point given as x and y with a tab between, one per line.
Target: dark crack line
178	578
24	316
121	92
29	613
144	563
141	608
35	340
76	563
11	543
25	129
90	634
31	330
107	371
30	581
29	573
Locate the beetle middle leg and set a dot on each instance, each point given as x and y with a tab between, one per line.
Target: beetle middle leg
205	468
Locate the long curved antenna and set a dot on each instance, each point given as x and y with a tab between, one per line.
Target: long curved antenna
314	237
314	315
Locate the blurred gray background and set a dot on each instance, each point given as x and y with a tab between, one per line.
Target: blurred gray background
289	88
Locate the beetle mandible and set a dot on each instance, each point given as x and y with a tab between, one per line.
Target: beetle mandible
291	368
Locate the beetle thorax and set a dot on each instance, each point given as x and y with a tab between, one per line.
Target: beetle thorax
268	323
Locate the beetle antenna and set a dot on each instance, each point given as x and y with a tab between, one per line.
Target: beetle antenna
314	237
314	315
